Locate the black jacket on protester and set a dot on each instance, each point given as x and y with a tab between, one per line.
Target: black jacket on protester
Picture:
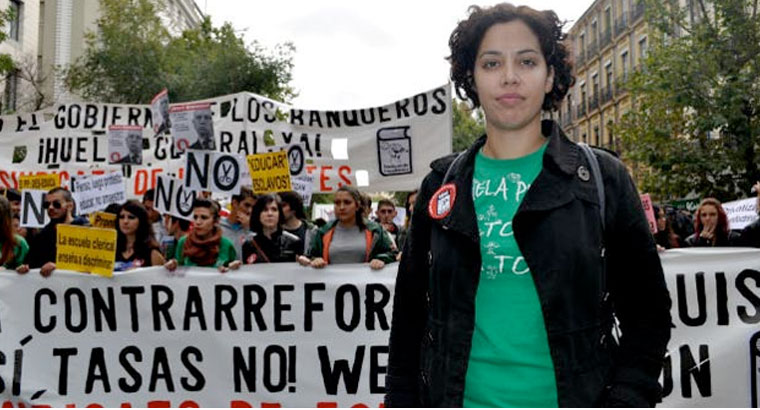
750	235
732	239
558	230
43	246
283	247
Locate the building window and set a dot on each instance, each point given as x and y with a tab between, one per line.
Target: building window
15	23
597	141
624	64
10	97
643	48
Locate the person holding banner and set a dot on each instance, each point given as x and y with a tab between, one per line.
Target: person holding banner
13	247
295	220
350	238
750	235
205	245
271	243
711	226
135	245
665	237
235	225
42	250
526	249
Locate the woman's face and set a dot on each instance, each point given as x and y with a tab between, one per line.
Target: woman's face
708	215
128	222
203	221
511	76
345	207
270	216
662	220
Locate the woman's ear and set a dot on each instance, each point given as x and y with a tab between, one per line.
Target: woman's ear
549	80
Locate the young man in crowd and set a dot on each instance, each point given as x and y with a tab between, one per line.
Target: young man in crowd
176	229
295	218
60	208
148	201
236	227
386	211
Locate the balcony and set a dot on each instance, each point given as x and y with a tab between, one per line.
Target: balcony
593	103
621	24
606	38
638	11
606	94
592	49
580	59
581	110
620	84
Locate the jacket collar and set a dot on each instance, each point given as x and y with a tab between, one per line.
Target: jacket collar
550	189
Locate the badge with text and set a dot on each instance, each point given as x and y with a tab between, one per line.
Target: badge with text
442	201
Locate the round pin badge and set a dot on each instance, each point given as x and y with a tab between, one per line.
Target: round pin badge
442	201
183	144
115	157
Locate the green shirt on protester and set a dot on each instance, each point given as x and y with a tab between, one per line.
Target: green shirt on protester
19	253
510	364
226	253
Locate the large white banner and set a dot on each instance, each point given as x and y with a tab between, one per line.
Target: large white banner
387	148
293	336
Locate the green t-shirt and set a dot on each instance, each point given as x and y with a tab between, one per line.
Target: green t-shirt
19	253
226	253
510	364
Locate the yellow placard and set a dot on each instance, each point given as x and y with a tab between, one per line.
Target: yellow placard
103	220
43	182
270	172
84	249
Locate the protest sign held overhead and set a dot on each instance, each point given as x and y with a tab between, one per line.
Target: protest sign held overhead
43	182
214	171
173	198
269	172
160	109
33	212
741	212
125	144
70	139
103	220
192	126
646	203
95	193
85	249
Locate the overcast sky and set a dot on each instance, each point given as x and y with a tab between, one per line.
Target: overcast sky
358	53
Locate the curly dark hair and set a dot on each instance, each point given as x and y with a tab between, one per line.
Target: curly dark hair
466	37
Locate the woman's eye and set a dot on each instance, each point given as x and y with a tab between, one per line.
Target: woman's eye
528	62
490	64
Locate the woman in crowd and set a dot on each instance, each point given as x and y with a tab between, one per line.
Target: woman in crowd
350	238
13	247
135	245
711	226
205	245
525	248
271	243
665	237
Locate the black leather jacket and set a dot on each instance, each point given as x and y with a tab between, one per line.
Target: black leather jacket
558	229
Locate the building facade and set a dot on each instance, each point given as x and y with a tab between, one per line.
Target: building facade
609	42
64	23
21	45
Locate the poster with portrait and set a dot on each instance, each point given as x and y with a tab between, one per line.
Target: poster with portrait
192	126
125	144
160	109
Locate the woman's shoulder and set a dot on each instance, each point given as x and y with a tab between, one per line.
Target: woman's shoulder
225	242
20	241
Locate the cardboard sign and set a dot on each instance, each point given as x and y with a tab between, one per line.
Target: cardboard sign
103	220
33	214
741	213
192	126
42	182
84	249
214	171
160	109
270	172
304	185
125	144
173	198
95	193
646	202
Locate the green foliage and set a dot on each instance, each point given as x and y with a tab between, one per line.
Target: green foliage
6	61
468	126
133	56
695	125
